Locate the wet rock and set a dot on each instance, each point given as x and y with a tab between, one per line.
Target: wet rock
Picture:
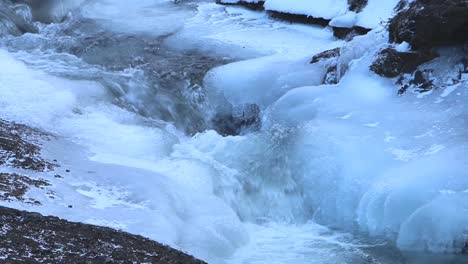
328	54
244	118
430	23
349	33
391	63
28	236
250	5
20	148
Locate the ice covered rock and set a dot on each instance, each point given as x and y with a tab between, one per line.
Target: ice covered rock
330	59
430	23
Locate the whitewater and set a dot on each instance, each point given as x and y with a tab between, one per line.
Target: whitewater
345	173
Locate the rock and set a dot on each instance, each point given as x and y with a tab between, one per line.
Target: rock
349	33
28	236
250	5
332	76
329	58
357	5
391	63
328	54
419	81
430	23
295	18
243	118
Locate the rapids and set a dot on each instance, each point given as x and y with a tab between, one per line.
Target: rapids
346	173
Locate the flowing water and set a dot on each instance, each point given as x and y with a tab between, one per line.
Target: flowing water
349	173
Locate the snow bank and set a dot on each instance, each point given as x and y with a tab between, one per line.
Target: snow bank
327	9
372	16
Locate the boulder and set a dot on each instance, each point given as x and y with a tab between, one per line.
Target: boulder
430	23
392	63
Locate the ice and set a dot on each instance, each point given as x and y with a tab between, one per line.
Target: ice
146	16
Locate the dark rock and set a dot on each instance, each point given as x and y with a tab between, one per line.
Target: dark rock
295	18
391	63
349	33
419	81
328	54
25	237
357	5
243	118
430	23
249	5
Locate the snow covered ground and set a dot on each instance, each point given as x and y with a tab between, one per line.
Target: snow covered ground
352	156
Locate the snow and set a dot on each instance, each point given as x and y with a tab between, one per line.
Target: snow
376	13
450	89
347	20
327	9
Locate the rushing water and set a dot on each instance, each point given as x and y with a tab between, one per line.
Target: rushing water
336	174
